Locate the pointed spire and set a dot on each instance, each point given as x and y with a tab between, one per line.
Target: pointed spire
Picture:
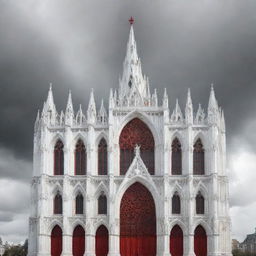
49	110
111	99
69	114
80	118
222	122
154	99
91	111
189	109
37	121
102	114
200	115
132	81
177	116
213	113
165	99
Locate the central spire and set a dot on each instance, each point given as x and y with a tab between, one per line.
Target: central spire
132	81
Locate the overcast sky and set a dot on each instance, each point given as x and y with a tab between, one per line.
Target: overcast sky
81	44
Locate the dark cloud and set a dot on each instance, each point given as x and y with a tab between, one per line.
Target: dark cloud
81	44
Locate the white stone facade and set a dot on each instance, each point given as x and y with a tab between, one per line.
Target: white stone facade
132	100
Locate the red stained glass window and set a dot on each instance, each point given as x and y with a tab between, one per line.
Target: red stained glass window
101	243
176	157
135	133
199	203
200	241
56	241
58	158
103	157
176	241
198	158
79	204
57	205
80	158
176	203
102	204
78	242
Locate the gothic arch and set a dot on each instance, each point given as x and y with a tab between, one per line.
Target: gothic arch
179	136
176	241
101	188
57	137
56	241
52	224
78	241
57	189
148	184
100	222
100	136
78	189
145	119
181	224
202	188
177	188
204	224
78	137
102	241
77	222
200	135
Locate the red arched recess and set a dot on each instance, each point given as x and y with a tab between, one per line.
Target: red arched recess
200	241
101	245
56	241
137	222
136	132
176	241
78	243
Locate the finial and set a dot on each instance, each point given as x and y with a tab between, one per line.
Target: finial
137	150
50	87
131	20
212	86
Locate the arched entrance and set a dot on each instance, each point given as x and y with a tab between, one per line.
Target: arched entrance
78	243
137	222
135	133
56	241
101	243
200	241
176	241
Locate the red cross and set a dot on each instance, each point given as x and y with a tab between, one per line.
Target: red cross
131	20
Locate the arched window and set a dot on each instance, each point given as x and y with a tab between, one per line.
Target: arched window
176	241
80	158
176	203
101	241
56	241
78	243
58	158
79	204
135	133
198	158
57	204
103	157
102	204
199	203
176	157
200	241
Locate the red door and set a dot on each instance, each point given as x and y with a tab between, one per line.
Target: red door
56	241
176	241
200	241
137	222
101	241
78	241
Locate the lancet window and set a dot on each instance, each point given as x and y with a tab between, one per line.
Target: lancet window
102	204
57	204
198	158
176	157
199	203
135	133
80	158
58	158
102	157
79	204
176	203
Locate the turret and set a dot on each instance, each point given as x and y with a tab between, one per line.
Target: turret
91	111
189	109
49	112
213	109
165	99
80	117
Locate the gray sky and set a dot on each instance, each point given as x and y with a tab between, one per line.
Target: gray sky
81	44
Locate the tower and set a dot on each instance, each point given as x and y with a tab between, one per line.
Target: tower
133	180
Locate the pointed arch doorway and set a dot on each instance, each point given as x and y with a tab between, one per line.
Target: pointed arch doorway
137	222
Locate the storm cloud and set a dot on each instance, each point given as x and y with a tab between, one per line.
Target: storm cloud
80	45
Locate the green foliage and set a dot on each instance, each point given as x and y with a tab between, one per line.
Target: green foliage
237	252
16	250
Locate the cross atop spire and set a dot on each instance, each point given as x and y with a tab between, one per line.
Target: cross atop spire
131	20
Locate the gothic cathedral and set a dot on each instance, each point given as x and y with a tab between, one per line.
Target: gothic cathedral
132	181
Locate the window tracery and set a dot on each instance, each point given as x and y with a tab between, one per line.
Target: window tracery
198	158
176	157
58	158
80	158
102	157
